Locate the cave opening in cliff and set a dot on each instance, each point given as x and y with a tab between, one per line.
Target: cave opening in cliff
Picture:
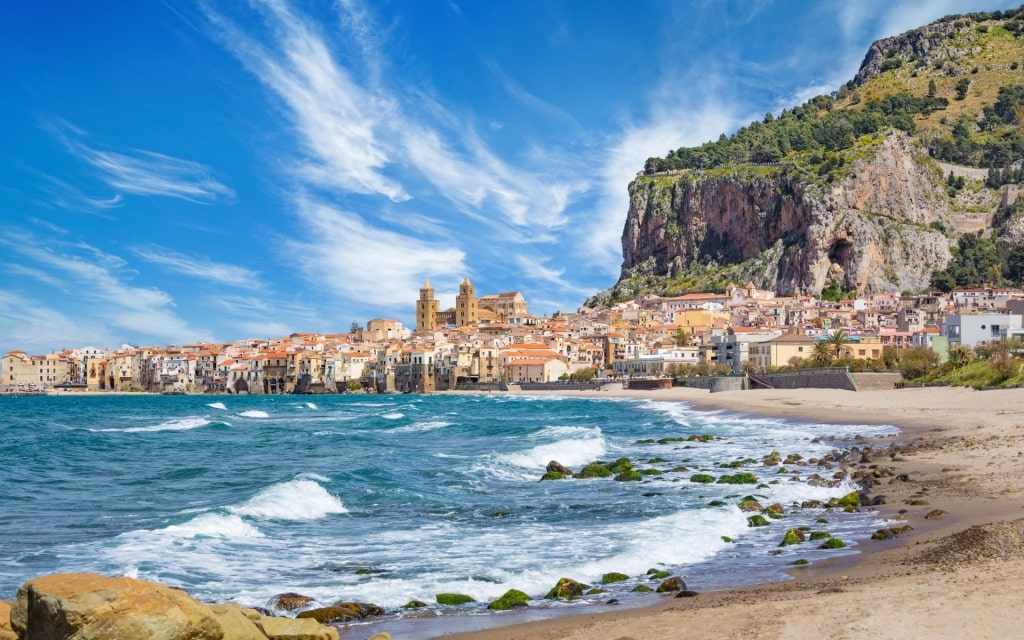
840	253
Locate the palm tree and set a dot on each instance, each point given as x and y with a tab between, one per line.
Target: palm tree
823	354
838	342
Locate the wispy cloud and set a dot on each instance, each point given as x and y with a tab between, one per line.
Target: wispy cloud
527	99
99	282
138	172
355	133
336	120
199	267
359	262
29	325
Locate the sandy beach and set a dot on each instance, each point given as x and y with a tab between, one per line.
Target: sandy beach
953	576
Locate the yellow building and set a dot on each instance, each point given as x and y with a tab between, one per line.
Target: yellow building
778	352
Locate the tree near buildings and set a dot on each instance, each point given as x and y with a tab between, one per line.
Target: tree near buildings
839	342
823	354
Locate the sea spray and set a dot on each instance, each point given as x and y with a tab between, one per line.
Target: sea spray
358	500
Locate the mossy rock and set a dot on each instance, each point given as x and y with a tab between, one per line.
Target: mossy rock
553	475
750	505
646	441
671	440
620	465
717	503
656	460
820	535
738	478
850	500
782	470
793	536
757	521
613	577
702	478
330	615
595	470
642	588
800	563
629	475
833	543
882	534
934	513
651	472
659	575
775	508
901	530
512	599
727	540
565	589
414	604
595	591
453	599
821	520
707	437
772	458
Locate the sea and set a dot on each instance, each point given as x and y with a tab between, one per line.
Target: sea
390	499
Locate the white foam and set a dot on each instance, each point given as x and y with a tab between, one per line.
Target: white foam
571	452
181	424
311	405
255	413
393	416
217	405
418	427
207	525
293	500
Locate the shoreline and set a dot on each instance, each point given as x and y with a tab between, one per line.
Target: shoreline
962	452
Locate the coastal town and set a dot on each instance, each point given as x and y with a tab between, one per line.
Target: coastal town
489	342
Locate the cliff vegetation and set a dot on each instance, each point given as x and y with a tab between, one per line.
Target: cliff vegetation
865	190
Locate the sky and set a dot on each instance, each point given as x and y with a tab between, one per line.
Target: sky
179	171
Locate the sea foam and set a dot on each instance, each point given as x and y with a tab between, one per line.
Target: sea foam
255	413
217	405
572	452
181	424
293	500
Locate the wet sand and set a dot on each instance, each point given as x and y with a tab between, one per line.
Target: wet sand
953	576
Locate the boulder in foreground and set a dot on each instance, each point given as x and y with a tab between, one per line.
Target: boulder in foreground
84	606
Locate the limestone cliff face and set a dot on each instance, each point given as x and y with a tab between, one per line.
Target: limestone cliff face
870	231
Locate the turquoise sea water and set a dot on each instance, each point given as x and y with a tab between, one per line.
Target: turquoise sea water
386	499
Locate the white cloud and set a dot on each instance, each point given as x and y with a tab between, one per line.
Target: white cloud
28	325
345	255
199	267
97	280
142	172
336	120
354	135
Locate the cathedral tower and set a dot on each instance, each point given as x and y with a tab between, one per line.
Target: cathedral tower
466	308
426	310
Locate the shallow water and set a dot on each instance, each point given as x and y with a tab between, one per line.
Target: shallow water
387	499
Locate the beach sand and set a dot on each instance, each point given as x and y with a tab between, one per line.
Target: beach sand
953	576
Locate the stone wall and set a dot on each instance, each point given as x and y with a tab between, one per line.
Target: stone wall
877	380
810	379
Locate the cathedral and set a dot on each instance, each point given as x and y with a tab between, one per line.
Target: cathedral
469	310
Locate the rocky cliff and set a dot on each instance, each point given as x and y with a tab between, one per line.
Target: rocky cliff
865	189
874	230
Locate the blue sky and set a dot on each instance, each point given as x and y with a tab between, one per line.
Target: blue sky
180	171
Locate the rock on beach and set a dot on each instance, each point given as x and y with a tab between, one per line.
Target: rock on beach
85	606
